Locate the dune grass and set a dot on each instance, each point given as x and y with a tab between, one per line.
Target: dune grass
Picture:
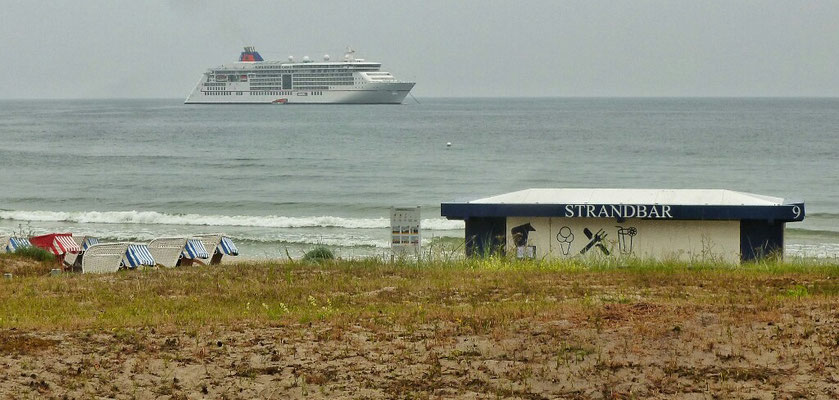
481	294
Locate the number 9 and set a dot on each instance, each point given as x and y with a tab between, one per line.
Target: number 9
797	211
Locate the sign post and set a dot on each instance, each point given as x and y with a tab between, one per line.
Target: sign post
405	230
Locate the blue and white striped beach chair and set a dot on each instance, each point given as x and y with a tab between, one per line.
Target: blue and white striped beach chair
194	249
16	243
88	241
218	245
227	247
137	255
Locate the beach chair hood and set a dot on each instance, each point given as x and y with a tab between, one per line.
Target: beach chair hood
89	241
136	255
226	246
16	243
218	244
57	243
195	249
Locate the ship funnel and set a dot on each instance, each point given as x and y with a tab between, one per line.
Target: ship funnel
250	55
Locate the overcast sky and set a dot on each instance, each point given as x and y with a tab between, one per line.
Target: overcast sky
114	48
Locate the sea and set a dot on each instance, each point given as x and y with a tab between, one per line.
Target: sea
282	179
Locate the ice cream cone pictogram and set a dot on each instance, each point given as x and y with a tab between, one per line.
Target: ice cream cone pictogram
565	237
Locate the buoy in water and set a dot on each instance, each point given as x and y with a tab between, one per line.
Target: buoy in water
448	144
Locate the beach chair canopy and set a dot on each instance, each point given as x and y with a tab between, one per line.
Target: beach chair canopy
89	241
17	243
226	246
194	249
57	243
136	255
217	243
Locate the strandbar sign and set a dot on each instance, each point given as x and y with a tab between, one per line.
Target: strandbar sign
686	224
617	211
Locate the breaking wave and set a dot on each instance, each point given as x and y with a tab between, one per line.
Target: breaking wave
267	221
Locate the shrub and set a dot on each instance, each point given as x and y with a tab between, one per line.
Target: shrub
318	254
35	253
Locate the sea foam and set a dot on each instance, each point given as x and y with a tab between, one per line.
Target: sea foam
266	221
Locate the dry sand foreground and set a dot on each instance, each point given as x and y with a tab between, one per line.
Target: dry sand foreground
633	336
692	353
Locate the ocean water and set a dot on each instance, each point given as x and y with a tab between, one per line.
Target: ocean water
278	178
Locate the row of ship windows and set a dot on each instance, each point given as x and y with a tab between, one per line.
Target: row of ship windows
266	93
299	81
318	67
296	79
270	93
296	71
300	76
339	66
322	83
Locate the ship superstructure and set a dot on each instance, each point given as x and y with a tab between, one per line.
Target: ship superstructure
254	80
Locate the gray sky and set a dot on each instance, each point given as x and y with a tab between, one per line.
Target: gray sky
114	48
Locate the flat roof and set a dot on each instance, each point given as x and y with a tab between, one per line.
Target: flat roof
629	203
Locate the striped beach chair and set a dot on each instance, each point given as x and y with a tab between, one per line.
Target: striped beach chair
194	251
218	246
13	243
84	242
103	257
59	244
136	255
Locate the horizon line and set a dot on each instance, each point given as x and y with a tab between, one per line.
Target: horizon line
460	97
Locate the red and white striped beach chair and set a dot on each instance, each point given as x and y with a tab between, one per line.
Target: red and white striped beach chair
59	244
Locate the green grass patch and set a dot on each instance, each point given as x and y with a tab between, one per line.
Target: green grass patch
476	294
34	253
319	254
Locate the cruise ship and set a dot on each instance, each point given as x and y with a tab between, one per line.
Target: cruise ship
254	80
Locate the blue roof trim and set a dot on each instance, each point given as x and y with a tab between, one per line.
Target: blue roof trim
783	213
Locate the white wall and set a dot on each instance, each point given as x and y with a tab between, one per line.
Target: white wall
660	239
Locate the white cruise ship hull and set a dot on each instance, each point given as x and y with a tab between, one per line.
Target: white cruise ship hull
372	93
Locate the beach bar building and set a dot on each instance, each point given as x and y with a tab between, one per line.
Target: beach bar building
683	224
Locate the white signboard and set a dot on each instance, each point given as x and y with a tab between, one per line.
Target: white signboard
405	230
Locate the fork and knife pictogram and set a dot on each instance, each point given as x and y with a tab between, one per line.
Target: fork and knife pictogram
595	240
